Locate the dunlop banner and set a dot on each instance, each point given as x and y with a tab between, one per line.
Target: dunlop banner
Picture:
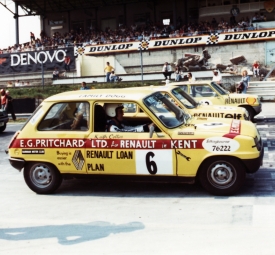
31	61
199	40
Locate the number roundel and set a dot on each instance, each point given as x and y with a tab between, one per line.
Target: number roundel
150	164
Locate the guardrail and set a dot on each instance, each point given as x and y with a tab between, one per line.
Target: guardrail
264	89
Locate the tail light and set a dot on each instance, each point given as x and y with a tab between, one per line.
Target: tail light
13	139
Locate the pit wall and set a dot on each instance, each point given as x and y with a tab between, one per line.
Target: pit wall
127	63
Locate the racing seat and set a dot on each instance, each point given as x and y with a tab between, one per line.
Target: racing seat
100	119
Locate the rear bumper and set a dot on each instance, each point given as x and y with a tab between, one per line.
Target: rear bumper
253	165
17	163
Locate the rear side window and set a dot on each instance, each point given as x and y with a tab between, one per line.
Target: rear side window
67	116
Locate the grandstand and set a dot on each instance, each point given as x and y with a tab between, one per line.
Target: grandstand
67	24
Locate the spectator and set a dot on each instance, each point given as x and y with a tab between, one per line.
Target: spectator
190	77
256	68
17	83
217	77
108	69
84	86
167	71
10	105
177	73
67	62
32	36
55	74
114	77
4	100
244	82
9	84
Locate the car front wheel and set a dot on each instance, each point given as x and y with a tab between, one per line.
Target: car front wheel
222	176
42	178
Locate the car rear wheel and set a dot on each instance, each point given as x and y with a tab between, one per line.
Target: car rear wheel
222	176
2	129
42	178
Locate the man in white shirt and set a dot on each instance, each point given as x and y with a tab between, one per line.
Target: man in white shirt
167	71
217	77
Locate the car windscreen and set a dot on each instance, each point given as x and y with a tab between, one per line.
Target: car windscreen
165	110
182	96
219	88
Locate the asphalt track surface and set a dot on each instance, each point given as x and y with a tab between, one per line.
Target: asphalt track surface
86	217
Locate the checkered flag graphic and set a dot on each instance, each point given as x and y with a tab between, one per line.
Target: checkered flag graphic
79	50
213	38
143	45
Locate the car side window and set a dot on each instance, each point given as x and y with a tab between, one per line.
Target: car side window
184	88
202	91
130	107
67	116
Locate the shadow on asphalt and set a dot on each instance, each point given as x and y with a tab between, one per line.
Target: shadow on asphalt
69	234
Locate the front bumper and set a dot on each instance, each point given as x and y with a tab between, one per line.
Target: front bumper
17	163
253	165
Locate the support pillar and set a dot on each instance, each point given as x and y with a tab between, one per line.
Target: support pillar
16	17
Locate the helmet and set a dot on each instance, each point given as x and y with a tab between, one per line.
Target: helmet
110	109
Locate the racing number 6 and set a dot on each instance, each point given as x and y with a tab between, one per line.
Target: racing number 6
151	165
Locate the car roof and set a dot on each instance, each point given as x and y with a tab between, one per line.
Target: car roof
135	94
188	82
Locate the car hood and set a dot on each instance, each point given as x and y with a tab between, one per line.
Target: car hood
241	99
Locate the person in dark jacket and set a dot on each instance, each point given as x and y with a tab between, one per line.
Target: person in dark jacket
10	105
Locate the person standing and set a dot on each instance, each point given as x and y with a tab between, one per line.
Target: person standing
67	62
177	73
167	71
245	81
32	37
10	105
4	100
84	86
108	69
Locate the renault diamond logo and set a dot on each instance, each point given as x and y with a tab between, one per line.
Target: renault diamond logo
78	160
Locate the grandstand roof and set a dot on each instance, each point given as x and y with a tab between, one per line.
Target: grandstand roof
41	7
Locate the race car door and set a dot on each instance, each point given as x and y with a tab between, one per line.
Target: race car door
130	151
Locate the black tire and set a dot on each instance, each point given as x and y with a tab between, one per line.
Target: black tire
250	111
42	178
222	176
2	129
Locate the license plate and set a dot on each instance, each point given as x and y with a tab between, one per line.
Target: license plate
2	124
